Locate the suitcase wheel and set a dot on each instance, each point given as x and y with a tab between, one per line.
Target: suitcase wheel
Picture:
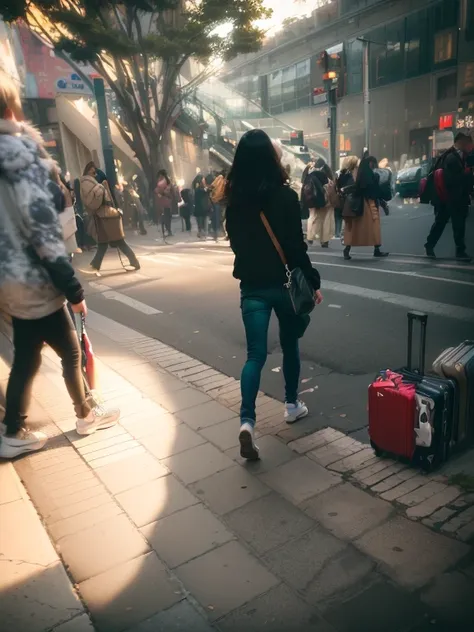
376	449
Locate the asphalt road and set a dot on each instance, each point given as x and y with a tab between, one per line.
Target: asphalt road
359	329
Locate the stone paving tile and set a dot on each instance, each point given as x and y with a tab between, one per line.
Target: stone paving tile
347	511
430	505
300	479
343	573
131	472
78	624
405	548
206	415
394	480
80	442
463	518
87	450
77	523
172	440
179	618
10	489
268	523
404	488
438	517
69	510
185	535
335	451
99	455
143	425
102	547
381	475
180	400
230	489
367	472
198	463
279	610
421	494
129	594
466	533
233	577
224	435
34	599
273	453
450	597
155	499
381	606
299	561
350	463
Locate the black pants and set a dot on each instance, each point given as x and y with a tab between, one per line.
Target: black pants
166	222
458	219
58	332
187	220
121	245
338	221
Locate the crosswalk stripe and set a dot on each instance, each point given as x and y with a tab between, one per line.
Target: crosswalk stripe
416	275
401	300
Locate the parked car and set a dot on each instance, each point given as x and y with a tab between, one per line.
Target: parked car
408	180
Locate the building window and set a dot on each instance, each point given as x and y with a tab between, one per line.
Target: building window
353	63
386	54
444	47
469	20
447	87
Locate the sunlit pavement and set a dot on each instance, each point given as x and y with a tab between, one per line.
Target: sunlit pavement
161	526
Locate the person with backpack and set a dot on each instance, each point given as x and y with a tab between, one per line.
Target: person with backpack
36	279
318	187
262	210
361	211
450	189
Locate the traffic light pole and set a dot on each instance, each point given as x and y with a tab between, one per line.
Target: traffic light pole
365	74
107	148
332	100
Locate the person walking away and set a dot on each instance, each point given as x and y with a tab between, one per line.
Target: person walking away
364	230
105	221
321	213
186	208
164	197
202	205
217	196
258	183
458	185
69	223
347	177
36	278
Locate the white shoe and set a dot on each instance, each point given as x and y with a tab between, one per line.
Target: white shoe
248	449
293	412
98	419
23	441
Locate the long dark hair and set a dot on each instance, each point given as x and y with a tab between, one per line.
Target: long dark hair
164	173
88	167
256	171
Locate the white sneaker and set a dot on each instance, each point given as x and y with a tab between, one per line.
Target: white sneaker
23	441
98	419
293	412
248	449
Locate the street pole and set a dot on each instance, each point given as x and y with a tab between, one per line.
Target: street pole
332	98
107	149
365	76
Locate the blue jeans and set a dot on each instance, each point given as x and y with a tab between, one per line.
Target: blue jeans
257	306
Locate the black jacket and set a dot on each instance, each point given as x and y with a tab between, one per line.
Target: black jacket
457	179
257	263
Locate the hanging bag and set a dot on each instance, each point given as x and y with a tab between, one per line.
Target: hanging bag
300	292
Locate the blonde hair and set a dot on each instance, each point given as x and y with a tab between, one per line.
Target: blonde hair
350	163
9	97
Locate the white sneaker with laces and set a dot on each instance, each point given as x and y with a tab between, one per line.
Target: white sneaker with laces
98	419
24	441
248	449
293	412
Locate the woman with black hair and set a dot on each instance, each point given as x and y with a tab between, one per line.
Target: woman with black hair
364	230
202	205
164	200
257	189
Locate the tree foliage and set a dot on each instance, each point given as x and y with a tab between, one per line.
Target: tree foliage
140	49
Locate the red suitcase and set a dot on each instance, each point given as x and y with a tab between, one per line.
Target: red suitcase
392	411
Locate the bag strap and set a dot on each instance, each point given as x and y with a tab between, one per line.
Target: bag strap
275	241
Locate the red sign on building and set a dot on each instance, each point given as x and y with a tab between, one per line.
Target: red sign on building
446	121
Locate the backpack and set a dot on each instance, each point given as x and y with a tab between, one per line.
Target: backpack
313	193
385	183
433	188
218	189
333	194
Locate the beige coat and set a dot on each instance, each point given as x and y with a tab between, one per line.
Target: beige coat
105	221
364	230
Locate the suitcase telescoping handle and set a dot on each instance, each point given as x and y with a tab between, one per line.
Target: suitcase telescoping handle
423	320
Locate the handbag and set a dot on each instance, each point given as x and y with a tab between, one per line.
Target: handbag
300	292
353	202
68	222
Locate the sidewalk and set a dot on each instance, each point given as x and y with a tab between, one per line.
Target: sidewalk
162	527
